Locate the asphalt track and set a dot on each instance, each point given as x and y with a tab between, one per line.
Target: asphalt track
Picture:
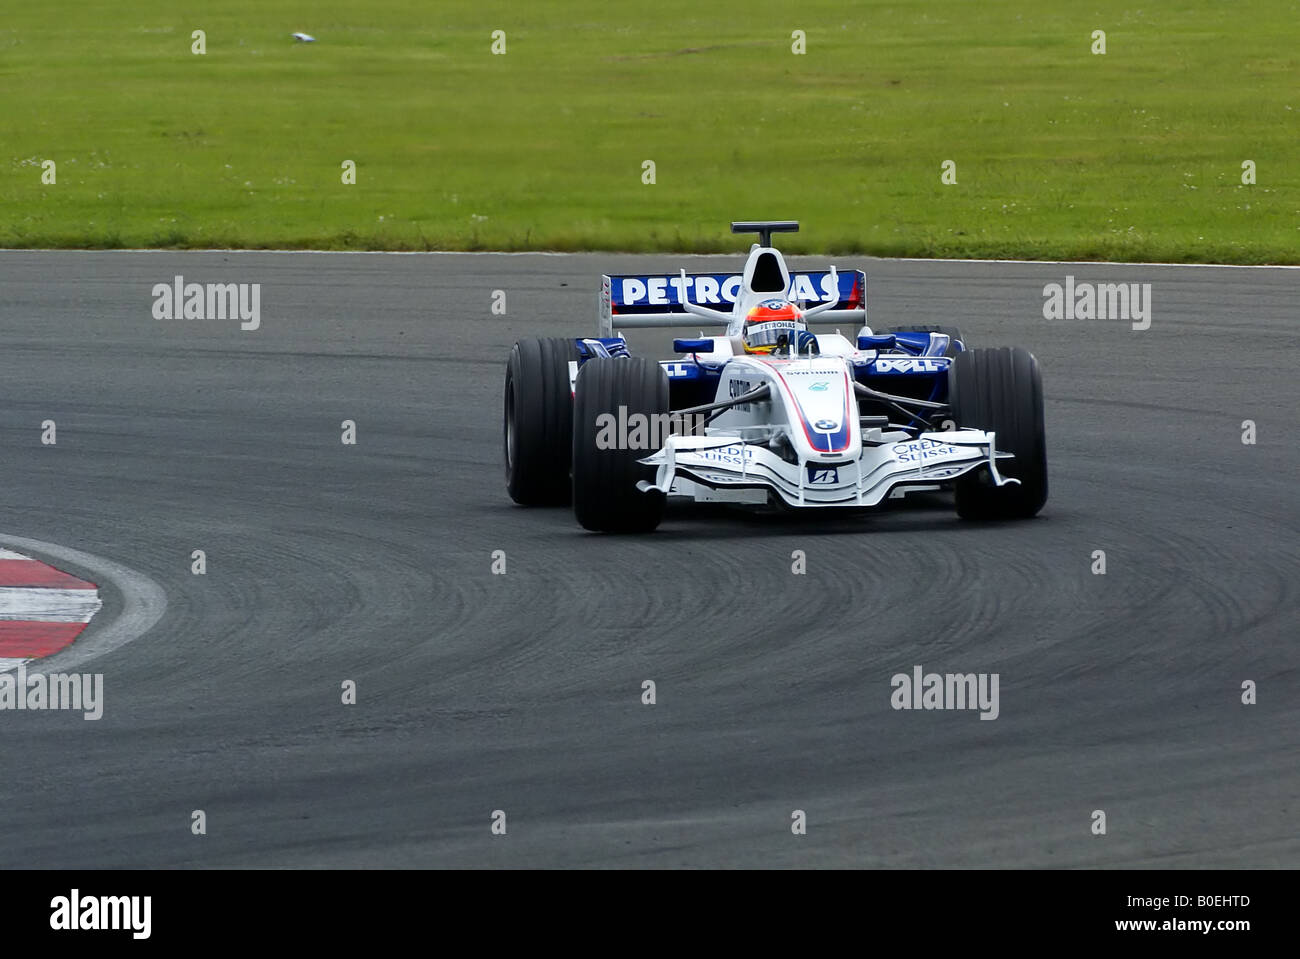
522	692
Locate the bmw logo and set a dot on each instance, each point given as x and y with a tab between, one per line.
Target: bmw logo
826	425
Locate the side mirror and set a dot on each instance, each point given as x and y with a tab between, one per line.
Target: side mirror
884	341
693	346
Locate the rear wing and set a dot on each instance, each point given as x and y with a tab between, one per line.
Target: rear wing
641	301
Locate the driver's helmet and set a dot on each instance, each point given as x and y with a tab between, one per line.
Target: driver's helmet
773	325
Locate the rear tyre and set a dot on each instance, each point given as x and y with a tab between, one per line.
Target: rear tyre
1001	391
605	473
538	421
954	335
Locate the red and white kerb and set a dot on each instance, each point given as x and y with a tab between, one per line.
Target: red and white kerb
42	609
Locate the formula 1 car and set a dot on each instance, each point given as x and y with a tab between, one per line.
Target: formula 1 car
766	412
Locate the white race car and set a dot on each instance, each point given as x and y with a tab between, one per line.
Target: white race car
766	412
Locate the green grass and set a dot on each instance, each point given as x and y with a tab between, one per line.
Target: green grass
1134	155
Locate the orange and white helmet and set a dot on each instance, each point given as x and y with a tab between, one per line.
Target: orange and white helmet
772	325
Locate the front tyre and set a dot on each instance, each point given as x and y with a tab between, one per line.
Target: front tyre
538	421
1001	391
611	397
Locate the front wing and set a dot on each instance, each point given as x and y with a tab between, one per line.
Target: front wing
722	468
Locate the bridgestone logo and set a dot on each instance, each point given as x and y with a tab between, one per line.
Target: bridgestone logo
644	431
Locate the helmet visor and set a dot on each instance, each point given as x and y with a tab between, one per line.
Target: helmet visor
767	334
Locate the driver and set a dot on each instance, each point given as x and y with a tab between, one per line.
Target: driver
774	325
